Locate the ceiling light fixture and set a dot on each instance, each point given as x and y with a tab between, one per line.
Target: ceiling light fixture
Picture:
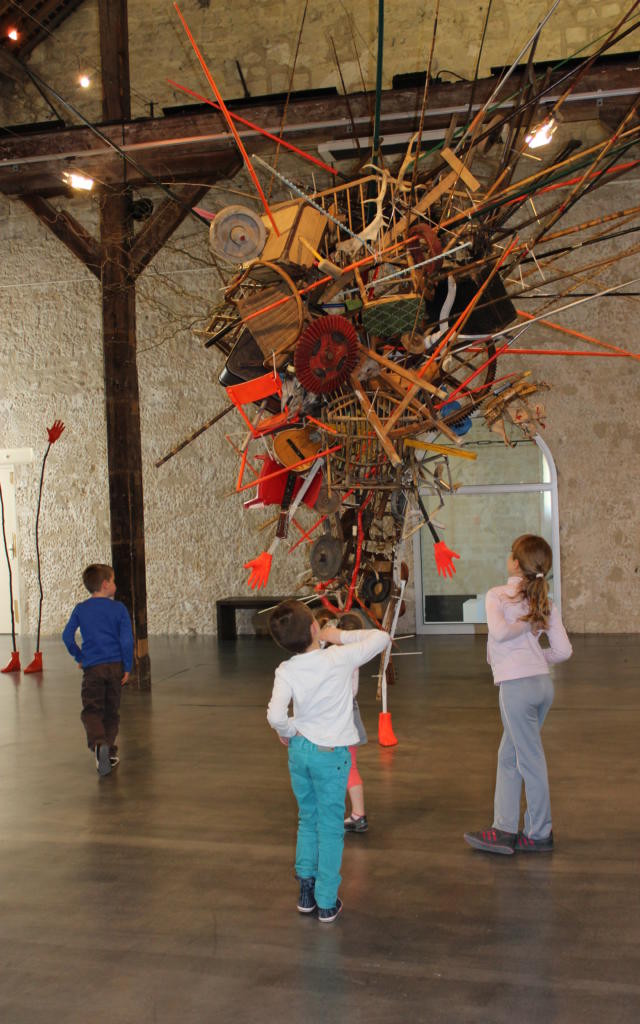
84	81
76	180
542	134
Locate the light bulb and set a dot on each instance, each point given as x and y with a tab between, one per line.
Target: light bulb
84	81
76	180
542	134
13	34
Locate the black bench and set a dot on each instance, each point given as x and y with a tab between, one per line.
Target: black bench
226	612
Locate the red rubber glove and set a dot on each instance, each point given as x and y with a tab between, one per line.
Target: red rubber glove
260	569
444	559
55	431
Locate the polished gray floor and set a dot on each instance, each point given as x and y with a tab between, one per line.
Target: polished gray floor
164	893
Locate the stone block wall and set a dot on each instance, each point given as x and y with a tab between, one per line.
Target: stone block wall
262	36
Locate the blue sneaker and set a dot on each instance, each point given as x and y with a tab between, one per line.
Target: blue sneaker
328	914
307	900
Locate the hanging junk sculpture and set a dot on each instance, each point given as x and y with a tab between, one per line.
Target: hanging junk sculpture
362	326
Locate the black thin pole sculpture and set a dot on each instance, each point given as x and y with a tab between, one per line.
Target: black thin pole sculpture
54	433
14	663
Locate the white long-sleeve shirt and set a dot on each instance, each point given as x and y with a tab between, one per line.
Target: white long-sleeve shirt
513	650
320	684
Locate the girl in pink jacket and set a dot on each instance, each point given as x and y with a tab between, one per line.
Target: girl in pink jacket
518	614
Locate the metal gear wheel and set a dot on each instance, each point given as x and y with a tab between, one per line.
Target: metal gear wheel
325	557
325	354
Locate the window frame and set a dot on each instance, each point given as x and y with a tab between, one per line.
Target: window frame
549	487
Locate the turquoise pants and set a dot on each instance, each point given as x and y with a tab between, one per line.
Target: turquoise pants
319	782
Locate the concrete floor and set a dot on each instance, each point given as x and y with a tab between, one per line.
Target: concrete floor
164	894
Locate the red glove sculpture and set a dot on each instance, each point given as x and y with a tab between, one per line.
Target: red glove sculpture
55	431
260	569
444	559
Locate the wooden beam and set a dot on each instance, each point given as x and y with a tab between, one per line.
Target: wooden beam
68	230
161	226
49	14
124	450
122	400
114	53
180	146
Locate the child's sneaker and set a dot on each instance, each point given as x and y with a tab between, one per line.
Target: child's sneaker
493	840
307	900
103	762
526	845
328	914
354	824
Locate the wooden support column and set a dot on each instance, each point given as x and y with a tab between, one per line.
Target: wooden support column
124	449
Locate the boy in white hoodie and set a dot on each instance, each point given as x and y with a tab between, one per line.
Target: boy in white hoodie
318	735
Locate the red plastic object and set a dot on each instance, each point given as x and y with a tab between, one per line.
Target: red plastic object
254	391
14	664
260	569
55	431
271	491
386	735
444	559
35	665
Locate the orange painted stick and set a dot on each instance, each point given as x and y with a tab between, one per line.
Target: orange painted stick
561	352
577	334
256	128
323	426
227	117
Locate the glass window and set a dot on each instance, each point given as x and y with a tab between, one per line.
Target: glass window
480	527
503	493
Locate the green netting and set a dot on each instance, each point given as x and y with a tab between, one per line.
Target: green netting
391	319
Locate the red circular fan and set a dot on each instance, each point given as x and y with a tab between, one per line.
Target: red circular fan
325	354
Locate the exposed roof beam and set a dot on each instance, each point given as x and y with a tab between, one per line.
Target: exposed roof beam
176	148
68	230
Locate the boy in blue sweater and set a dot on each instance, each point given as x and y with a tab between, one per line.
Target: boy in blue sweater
106	658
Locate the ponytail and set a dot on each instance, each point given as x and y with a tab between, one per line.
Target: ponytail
533	555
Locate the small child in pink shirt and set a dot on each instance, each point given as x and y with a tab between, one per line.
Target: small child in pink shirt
517	615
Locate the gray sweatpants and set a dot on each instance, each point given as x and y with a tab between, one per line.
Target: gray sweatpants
523	707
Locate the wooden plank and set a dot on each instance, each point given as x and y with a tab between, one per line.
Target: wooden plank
68	230
408	375
461	170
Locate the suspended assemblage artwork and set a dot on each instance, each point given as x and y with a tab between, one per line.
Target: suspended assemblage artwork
363	326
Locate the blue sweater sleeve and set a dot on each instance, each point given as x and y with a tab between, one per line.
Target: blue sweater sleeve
69	636
126	638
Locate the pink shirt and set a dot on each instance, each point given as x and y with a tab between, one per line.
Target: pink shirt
513	650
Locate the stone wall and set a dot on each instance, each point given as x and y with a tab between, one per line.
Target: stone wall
262	35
